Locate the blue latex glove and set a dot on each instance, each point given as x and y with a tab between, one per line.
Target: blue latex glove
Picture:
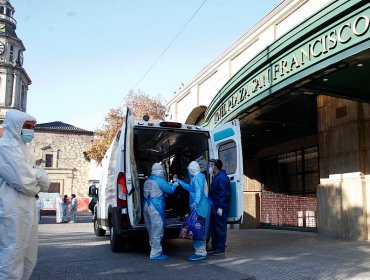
193	206
176	184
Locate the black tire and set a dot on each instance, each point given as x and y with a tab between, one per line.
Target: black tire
98	231
117	243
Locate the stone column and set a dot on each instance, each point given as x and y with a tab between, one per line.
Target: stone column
344	151
9	90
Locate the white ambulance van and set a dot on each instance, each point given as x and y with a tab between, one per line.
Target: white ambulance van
128	161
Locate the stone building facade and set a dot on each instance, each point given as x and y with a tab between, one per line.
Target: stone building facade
60	149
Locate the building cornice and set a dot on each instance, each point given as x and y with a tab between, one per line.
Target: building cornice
251	34
11	68
19	41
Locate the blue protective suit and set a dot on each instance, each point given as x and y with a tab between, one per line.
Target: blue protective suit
220	197
154	211
198	199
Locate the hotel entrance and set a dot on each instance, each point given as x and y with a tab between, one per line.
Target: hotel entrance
317	128
304	110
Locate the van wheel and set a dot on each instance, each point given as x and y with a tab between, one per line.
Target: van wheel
116	241
98	231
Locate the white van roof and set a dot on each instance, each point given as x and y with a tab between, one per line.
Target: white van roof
166	124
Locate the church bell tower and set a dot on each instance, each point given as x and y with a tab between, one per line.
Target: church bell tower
14	80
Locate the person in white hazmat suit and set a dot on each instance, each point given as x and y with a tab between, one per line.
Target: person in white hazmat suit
39	206
20	181
155	187
59	208
73	209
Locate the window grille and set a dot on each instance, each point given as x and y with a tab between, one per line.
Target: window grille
295	173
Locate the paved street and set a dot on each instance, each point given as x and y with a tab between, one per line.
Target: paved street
72	251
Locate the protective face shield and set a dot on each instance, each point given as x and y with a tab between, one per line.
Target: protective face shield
210	167
27	135
158	170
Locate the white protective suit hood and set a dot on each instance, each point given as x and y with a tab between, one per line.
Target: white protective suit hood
158	170
193	168
13	124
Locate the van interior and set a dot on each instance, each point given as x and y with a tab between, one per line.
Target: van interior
174	149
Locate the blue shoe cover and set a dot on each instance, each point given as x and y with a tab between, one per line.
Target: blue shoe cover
196	257
160	257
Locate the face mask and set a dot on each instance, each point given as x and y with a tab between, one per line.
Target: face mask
210	170
27	135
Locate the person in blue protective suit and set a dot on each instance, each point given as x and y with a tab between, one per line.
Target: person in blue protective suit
220	198
155	187
198	200
20	181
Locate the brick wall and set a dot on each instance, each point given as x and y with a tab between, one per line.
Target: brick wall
288	210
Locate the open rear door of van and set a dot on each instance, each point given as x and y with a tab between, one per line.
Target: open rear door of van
132	178
226	146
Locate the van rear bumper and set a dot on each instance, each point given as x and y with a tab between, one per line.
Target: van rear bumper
123	227
121	221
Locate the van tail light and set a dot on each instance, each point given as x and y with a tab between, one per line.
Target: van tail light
121	190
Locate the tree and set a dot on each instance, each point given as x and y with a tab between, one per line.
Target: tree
141	104
104	136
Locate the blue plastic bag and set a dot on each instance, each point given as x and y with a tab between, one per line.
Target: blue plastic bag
193	227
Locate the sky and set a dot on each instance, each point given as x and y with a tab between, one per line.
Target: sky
84	56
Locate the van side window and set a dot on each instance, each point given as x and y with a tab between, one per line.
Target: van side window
227	154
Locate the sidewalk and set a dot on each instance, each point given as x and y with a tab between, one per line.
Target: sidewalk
275	254
72	251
